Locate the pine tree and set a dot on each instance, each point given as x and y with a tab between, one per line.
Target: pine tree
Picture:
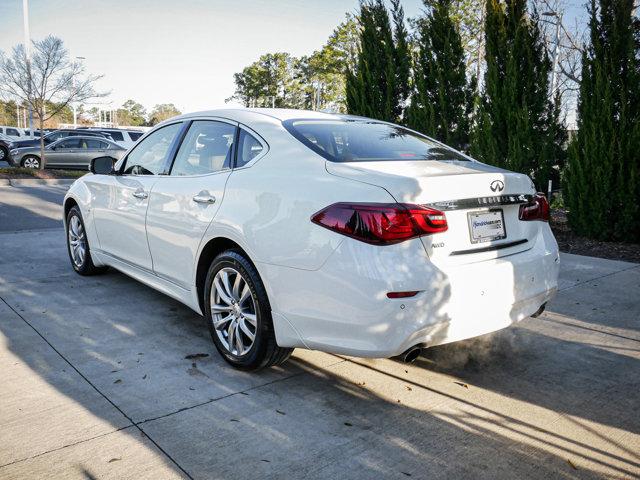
517	125
602	180
372	89
441	102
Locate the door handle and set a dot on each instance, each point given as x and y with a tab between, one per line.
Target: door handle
140	194
204	197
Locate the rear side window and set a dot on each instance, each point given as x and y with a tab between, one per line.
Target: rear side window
96	144
135	135
248	148
117	136
207	148
367	141
13	132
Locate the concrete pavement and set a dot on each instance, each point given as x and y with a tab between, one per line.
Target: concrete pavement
26	207
96	383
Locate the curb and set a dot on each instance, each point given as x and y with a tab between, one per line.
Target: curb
31	182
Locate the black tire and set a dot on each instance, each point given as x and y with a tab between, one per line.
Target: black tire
264	352
4	154
30	161
85	266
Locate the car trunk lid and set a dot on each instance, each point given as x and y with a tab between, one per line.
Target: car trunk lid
478	200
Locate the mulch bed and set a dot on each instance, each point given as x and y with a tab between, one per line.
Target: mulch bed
572	243
13	172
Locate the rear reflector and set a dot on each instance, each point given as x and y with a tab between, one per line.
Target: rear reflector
401	294
381	223
536	209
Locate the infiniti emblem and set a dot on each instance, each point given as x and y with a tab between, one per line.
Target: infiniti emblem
497	186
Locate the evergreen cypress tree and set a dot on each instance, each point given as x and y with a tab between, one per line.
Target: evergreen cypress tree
517	126
442	98
602	180
372	89
402	59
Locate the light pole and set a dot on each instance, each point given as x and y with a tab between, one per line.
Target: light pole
27	53
75	104
556	48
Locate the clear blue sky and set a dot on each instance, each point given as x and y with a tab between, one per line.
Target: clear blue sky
179	51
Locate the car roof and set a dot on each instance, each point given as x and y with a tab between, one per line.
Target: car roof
99	129
87	137
280	114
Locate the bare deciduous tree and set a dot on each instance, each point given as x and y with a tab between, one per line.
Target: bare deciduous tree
569	41
48	83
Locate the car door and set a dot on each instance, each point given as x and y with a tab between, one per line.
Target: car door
121	201
183	204
63	153
90	148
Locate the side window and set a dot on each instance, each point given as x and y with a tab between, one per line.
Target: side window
248	148
13	132
117	136
95	144
205	149
59	135
69	143
135	135
149	156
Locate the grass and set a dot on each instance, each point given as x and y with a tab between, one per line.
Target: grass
19	172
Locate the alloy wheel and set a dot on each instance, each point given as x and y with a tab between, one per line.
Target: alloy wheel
2	154
233	311
77	241
31	162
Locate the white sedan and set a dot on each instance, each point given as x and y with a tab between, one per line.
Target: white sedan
289	228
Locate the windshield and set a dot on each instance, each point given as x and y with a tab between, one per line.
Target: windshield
367	141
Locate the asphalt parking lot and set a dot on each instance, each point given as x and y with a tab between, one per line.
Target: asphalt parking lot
103	377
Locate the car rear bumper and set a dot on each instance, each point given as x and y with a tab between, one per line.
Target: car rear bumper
343	307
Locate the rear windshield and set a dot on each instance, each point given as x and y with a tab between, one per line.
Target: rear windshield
367	141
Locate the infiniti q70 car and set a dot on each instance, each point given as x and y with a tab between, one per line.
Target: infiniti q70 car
296	229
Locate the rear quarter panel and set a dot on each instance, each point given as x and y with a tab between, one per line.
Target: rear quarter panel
268	206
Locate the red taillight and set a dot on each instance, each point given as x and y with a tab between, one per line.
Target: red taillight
402	294
381	223
536	209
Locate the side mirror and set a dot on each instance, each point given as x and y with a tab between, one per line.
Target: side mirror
102	165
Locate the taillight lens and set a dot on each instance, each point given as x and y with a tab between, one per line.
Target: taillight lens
381	223
536	209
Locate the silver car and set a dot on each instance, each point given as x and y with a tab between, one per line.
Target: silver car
70	152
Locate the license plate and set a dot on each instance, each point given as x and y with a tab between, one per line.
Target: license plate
486	226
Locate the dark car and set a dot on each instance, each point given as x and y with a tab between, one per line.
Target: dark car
6	144
55	136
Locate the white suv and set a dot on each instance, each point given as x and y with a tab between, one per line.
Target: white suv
13	132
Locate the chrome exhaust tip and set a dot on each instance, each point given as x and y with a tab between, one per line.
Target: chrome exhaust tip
411	355
540	310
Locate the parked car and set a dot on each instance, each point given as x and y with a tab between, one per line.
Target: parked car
290	228
57	135
5	146
13	132
36	133
125	138
69	152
